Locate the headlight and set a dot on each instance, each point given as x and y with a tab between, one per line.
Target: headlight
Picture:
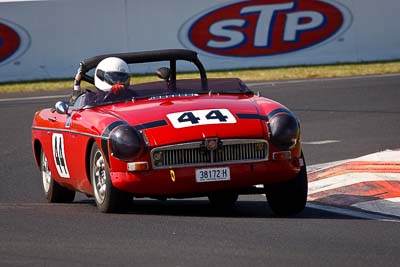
126	143
284	131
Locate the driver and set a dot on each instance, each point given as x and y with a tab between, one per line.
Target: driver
111	78
112	75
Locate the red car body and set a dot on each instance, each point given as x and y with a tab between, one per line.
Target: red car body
226	128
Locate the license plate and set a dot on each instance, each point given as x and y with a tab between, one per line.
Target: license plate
212	174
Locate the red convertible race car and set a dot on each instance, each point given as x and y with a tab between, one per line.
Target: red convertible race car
175	138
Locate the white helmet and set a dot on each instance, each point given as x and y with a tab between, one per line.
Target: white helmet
110	71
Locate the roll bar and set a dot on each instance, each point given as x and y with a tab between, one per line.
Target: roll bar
171	55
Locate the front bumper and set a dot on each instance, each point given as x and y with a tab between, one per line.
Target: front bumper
242	176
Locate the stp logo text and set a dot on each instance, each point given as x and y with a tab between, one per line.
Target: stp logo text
265	27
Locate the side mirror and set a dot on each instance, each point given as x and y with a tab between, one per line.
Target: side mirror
164	73
61	107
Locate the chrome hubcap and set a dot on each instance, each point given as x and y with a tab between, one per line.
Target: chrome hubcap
46	174
99	177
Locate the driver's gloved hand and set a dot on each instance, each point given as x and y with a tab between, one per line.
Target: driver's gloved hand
117	89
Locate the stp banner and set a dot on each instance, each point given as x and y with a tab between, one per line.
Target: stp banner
48	39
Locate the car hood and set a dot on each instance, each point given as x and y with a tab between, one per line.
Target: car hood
185	119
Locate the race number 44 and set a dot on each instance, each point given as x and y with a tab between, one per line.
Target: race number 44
59	155
201	117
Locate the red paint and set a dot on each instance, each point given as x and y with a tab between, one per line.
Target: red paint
356	166
93	122
359	192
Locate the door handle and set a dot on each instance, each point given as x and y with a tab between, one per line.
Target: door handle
53	119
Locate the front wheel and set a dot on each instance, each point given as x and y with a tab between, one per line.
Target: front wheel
108	198
54	192
289	198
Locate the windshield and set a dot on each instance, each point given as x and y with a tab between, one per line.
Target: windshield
156	90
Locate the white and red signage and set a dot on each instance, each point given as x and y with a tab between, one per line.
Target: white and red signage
47	39
265	27
14	41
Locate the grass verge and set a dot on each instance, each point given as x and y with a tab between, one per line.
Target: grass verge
265	74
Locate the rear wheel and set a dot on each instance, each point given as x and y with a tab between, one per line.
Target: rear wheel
108	198
289	198
223	199
54	192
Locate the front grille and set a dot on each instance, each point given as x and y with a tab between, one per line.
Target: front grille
196	153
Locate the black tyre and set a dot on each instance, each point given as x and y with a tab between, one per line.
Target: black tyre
54	192
289	198
108	198
223	199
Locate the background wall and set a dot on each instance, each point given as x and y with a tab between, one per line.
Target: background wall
48	39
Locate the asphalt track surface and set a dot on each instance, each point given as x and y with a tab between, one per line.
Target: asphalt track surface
340	119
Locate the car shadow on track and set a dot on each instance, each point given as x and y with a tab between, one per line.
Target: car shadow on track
203	208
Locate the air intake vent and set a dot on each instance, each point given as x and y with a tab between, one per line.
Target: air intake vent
196	153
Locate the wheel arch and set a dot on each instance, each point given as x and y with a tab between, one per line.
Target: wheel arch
87	158
88	152
37	150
